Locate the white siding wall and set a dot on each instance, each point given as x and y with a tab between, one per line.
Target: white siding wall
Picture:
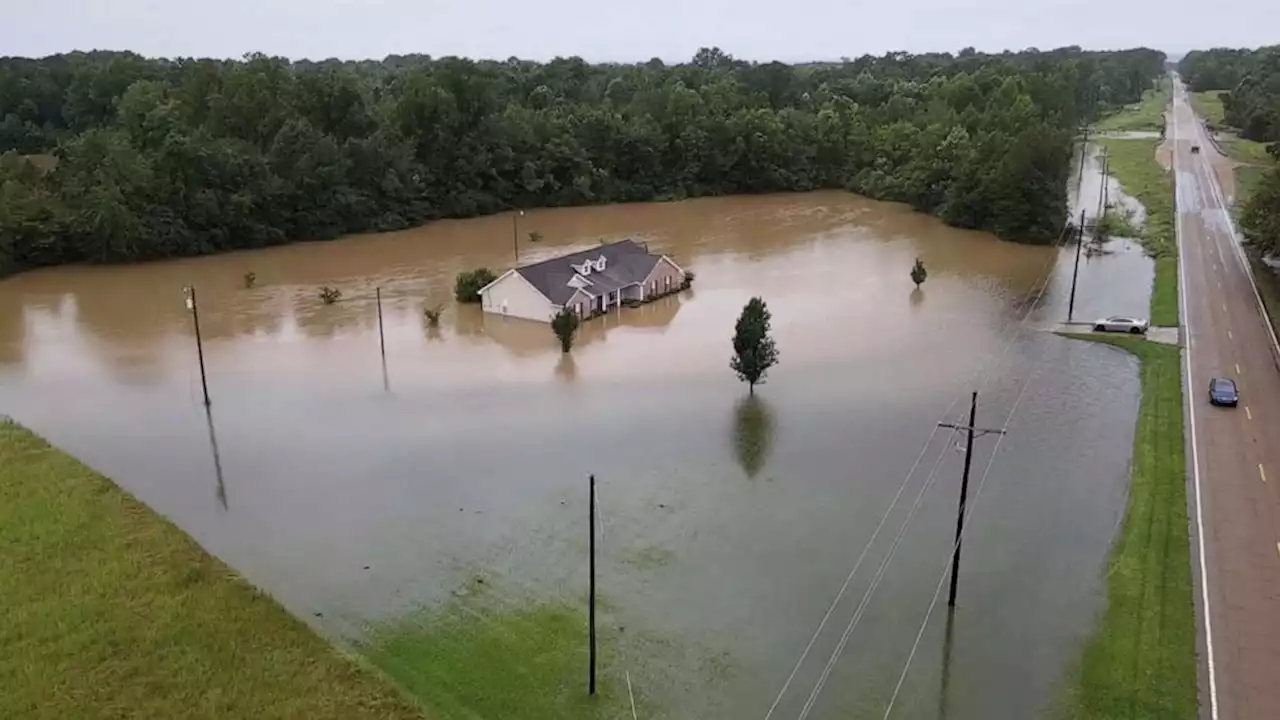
523	301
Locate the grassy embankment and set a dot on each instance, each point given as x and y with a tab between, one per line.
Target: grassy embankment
1145	115
1252	160
1140	661
1133	164
111	611
1251	157
491	656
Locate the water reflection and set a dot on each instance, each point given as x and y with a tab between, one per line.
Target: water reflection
753	428
221	492
567	367
917	297
944	685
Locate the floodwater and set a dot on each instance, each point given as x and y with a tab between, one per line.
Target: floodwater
355	491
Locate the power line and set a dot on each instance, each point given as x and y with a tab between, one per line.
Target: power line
977	493
866	597
1043	285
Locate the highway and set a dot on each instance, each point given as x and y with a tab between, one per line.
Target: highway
1234	454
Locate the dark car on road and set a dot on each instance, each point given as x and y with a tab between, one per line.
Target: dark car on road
1222	391
1195	148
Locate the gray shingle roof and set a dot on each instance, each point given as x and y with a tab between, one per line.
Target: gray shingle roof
626	263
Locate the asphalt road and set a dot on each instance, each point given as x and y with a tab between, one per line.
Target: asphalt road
1234	463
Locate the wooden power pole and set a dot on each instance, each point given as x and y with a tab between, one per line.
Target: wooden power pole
964	485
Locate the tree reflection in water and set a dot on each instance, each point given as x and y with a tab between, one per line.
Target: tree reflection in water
752	433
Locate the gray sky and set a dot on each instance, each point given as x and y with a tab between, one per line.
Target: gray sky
789	30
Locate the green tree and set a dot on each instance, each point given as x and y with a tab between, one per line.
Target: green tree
466	289
754	351
565	326
918	273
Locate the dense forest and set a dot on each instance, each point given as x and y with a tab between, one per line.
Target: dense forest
1250	80
114	157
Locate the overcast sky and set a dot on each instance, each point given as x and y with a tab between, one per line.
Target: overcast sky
790	30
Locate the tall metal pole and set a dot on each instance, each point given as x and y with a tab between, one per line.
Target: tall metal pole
1075	272
591	600
964	488
515	238
195	319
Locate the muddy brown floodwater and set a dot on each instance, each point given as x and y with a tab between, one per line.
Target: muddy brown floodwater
729	524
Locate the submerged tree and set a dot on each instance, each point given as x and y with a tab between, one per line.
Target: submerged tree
466	289
250	279
565	325
432	315
918	273
329	295
754	351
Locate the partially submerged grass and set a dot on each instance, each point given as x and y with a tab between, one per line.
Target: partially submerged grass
1117	223
1133	163
111	611
1141	659
477	658
1145	115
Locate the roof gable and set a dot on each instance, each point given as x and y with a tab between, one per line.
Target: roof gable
612	266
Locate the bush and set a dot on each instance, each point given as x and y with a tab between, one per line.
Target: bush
432	314
467	287
329	295
565	325
689	277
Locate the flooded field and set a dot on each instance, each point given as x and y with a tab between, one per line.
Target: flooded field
355	492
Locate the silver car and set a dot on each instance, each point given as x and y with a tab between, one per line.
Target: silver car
1118	323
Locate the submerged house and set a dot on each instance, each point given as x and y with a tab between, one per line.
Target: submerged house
586	283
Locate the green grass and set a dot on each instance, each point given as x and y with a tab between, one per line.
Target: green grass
1208	105
481	657
1140	661
1133	163
1252	156
111	611
1145	115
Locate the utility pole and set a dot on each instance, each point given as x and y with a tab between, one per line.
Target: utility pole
1102	197
190	292
1075	273
382	340
964	485
591	598
515	234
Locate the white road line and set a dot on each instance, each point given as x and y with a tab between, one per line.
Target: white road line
1195	453
1247	412
1230	336
1262	473
1238	372
1239	250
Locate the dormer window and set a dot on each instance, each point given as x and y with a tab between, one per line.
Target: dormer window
600	264
585	268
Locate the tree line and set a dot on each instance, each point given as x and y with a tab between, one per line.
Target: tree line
1250	80
1250	85
113	157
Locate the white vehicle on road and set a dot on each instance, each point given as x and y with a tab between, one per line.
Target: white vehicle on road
1119	323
